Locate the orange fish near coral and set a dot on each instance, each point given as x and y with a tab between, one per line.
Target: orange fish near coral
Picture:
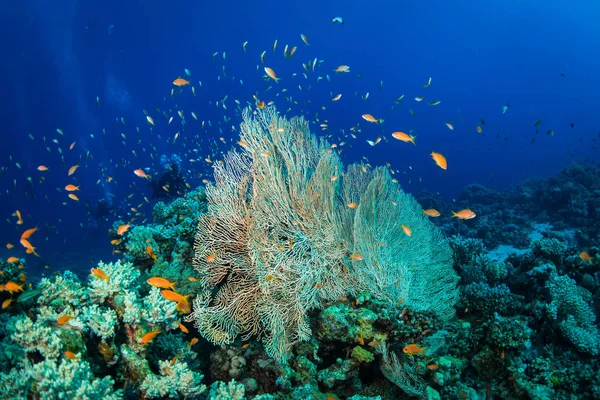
13	260
148	337
413	349
6	303
150	252
431	212
122	229
64	319
71	355
161	283
173	296
464	214
211	258
12	287
193	341
183	328
356	257
585	257
440	160
183	306
352	205
406	230
100	274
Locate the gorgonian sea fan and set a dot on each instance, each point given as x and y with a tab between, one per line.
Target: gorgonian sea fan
278	236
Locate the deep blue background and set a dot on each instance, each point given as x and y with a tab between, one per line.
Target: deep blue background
58	56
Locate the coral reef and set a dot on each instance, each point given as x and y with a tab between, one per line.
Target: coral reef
347	305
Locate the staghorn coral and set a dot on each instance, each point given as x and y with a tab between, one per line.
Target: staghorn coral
278	235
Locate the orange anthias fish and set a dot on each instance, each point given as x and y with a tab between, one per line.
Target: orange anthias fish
6	303
13	260
64	319
432	212
42	168
122	229
161	283
413	349
19	219
9	246
356	257
72	196
352	205
12	287
464	214
71	355
150	252
100	274
193	341
179	82
25	235
141	173
440	160
271	74
183	306
30	249
71	188
406	230
211	258
404	137
73	169
370	118
173	296
148	337
183	328
585	257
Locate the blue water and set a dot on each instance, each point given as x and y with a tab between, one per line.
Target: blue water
58	57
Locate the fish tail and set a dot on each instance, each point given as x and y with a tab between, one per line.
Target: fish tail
454	214
412	139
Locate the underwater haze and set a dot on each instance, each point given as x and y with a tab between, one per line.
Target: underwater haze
430	228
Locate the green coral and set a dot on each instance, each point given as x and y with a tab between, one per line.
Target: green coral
58	379
227	391
122	276
175	380
549	249
572	314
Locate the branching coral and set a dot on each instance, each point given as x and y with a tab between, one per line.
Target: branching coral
175	381
285	233
53	379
